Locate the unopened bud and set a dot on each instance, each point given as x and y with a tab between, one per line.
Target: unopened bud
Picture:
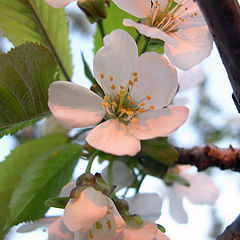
94	9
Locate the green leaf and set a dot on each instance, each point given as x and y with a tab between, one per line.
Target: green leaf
12	168
35	21
87	71
171	178
43	178
160	150
25	75
57	202
114	21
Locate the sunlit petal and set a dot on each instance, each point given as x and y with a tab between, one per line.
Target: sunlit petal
138	8
81	213
150	31
194	44
58	3
113	63
156	78
73	105
113	137
159	123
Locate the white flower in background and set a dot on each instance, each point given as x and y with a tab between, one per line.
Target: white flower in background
58	3
202	190
188	80
181	26
137	91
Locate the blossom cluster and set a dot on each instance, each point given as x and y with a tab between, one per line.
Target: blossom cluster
134	103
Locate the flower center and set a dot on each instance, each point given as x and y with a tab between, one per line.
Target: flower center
121	106
172	16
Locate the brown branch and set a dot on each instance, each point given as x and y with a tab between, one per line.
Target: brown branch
209	156
223	19
232	232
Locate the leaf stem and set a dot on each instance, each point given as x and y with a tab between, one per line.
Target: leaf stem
138	38
110	173
101	28
90	161
144	49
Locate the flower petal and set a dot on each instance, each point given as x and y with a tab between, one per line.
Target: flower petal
151	32
74	106
137	8
176	208
58	231
157	78
111	226
148	231
194	44
113	63
58	3
159	123
202	189
139	205
81	213
122	176
113	137
66	190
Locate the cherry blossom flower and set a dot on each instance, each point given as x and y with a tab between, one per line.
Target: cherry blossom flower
58	3
181	26
137	92
202	190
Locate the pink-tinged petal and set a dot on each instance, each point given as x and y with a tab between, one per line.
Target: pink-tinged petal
58	231
148	231
176	208
66	190
137	205
150	31
113	63
157	78
81	213
160	123
58	3
74	106
114	138
110	227
202	189
122	176
137	8
194	44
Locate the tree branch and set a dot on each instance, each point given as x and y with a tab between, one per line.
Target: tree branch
223	19
210	156
232	232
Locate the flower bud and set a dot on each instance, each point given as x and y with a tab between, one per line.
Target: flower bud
94	9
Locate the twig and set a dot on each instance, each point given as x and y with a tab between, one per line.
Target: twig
209	156
232	232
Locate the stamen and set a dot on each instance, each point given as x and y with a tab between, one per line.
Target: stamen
142	104
140	110
134	120
122	87
105	98
151	107
90	235
113	87
148	97
134	74
135	79
109	224
101	75
111	78
130	82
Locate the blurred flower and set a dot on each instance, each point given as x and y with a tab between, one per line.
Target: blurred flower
202	190
137	91
188	80
179	24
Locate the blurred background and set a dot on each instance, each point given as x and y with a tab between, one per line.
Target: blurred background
213	119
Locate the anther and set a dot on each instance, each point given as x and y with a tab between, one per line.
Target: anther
111	78
130	82
106	98
134	120
122	87
151	107
101	75
114	104
135	79
142	104
148	97
113	87
140	110
134	74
